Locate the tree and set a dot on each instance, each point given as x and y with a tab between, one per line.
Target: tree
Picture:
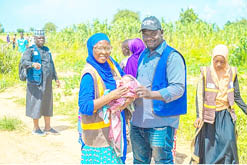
188	16
1	28
126	14
50	27
31	29
20	30
228	23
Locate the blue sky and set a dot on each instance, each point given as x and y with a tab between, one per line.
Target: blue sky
35	13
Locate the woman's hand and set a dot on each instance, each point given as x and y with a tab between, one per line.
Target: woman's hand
58	83
119	92
198	123
36	65
128	101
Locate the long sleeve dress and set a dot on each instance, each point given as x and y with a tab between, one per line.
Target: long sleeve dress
216	143
39	98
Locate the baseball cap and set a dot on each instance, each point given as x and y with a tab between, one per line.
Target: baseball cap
151	23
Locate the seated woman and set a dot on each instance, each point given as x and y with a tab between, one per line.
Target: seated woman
100	74
218	89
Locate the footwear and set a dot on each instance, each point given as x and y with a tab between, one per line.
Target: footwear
52	131
38	132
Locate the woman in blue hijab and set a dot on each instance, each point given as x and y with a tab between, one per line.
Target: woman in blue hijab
98	76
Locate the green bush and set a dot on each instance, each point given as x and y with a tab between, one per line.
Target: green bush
10	124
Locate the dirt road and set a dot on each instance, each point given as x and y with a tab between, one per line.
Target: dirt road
21	147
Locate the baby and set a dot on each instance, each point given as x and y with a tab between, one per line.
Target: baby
112	111
131	83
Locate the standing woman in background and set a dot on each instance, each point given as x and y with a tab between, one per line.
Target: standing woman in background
218	89
38	61
136	46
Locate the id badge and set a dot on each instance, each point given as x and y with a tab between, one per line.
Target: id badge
210	85
35	53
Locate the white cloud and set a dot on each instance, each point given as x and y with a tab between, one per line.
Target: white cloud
191	6
66	12
233	3
208	13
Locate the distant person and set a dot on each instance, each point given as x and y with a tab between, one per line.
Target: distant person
37	59
28	39
8	38
162	97
22	44
136	46
126	53
217	90
14	41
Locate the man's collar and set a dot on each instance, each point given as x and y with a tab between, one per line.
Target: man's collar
161	47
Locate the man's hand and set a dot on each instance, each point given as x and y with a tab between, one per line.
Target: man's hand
143	92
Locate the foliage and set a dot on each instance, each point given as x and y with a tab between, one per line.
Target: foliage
1	28
31	29
242	22
9	60
10	124
50	27
20	30
126	14
239	54
188	16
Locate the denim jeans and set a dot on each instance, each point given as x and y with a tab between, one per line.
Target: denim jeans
152	142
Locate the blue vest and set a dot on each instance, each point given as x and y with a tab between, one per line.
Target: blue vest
160	108
34	76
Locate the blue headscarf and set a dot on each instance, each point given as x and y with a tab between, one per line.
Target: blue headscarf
104	69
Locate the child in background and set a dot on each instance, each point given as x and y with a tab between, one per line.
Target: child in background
126	52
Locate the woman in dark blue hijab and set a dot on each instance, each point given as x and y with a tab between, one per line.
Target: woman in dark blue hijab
96	146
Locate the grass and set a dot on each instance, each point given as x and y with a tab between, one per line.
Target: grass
20	101
9	60
69	109
10	124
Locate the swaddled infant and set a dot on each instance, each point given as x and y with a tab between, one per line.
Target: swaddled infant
131	83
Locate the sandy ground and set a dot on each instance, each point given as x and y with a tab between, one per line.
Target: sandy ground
21	147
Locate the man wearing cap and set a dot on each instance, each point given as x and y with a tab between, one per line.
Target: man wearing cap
162	97
41	71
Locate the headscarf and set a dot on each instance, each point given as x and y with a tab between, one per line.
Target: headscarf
222	84
104	69
221	50
136	46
